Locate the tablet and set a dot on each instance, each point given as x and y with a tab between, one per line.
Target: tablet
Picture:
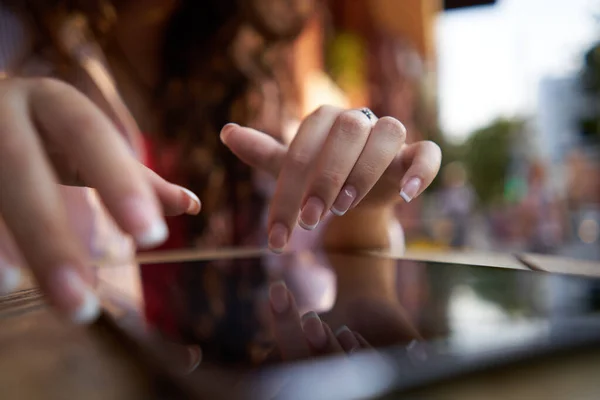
421	322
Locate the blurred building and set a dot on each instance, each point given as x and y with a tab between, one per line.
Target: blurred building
562	105
573	160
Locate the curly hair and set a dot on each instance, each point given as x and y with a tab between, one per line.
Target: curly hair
204	84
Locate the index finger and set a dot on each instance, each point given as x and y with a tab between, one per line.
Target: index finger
286	323
295	175
102	156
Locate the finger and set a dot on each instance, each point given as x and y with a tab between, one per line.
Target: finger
254	148
419	164
319	335
10	261
335	345
347	339
185	358
384	143
34	211
362	341
194	358
175	199
287	325
103	159
295	174
343	146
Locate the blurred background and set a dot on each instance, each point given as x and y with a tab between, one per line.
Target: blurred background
510	89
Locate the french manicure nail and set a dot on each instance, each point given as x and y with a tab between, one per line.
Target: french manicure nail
342	329
279	297
195	354
193	201
150	229
410	189
74	296
347	339
88	310
278	237
344	201
155	235
311	213
10	277
227	129
313	329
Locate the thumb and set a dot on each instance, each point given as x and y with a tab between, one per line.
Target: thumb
175	200
416	167
257	149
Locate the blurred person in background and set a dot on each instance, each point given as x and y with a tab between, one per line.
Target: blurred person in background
583	183
583	205
178	71
456	202
540	215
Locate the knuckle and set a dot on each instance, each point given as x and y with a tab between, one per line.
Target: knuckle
324	110
433	150
365	176
354	123
298	160
329	179
429	145
392	127
367	172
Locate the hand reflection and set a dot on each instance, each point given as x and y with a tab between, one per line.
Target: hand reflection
304	337
184	359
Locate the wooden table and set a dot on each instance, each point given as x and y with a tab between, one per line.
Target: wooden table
42	356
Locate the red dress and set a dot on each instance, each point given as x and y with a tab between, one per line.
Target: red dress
159	280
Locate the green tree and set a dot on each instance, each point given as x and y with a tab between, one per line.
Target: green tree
487	155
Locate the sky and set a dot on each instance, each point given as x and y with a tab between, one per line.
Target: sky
491	59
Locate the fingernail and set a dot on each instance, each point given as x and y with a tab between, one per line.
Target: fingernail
410	189
73	296
352	350
88	310
279	297
227	129
150	228
278	237
311	213
10	277
344	201
195	353
194	204
347	339
342	329
313	330
154	236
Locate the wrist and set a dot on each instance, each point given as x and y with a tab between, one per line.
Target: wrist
362	228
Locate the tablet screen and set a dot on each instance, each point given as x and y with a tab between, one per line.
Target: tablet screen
415	310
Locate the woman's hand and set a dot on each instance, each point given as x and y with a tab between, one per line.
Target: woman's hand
50	133
339	159
304	338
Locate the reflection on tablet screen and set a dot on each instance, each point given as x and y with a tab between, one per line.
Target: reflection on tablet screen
404	311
